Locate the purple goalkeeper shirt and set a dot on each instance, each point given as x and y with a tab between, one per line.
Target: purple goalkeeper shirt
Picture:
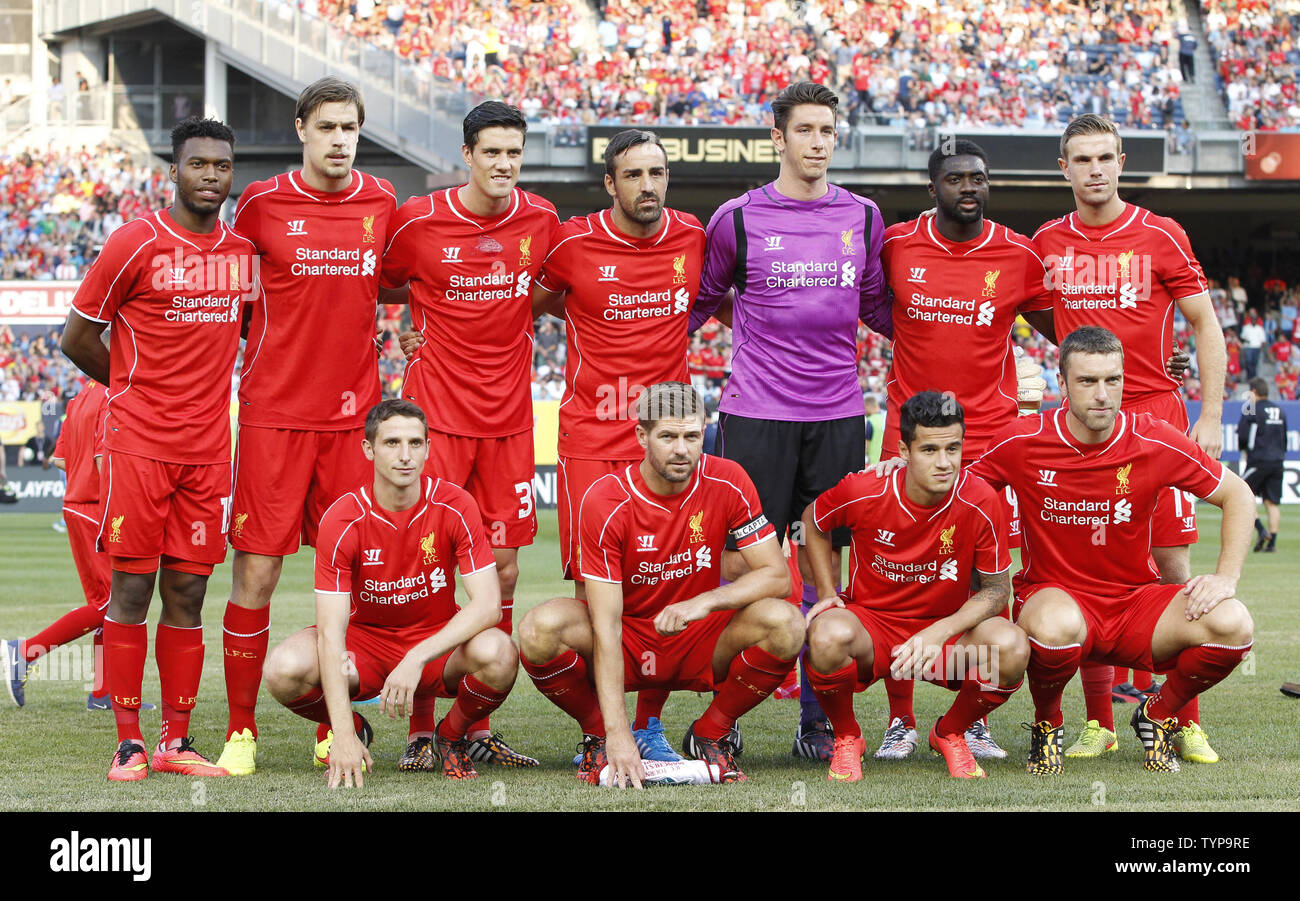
805	272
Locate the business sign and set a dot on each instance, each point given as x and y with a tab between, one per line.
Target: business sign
1271	156
36	303
18	421
698	150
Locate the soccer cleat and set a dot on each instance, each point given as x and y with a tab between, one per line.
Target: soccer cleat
15	667
419	757
900	741
592	759
814	741
1259	542
240	753
651	744
1193	745
1271	547
737	740
321	757
980	741
183	760
59	526
846	759
716	753
1045	749
1094	741
494	749
454	754
1157	750
1125	693
956	753
1290	689
129	763
7	495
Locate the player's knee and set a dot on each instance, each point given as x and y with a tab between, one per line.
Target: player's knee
828	642
785	628
1230	623
1012	649
539	632
1057	625
285	673
495	657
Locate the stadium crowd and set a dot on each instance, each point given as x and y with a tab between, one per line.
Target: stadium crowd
1254	43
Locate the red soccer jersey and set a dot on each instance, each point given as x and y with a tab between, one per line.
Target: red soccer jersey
625	317
175	301
399	566
471	297
910	563
1124	276
667	549
954	304
310	362
1085	510
81	441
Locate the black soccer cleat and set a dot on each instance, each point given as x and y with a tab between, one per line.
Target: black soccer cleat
720	753
1158	754
1045	756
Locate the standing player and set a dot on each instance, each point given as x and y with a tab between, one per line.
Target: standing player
173	285
386	607
958	281
1088	478
1261	437
803	259
470	255
1116	265
78	452
655	616
310	372
919	537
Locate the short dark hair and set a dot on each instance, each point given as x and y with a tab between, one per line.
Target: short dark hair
1259	386
667	400
931	410
961	148
625	140
492	114
1089	339
198	127
1090	124
798	94
389	409
330	89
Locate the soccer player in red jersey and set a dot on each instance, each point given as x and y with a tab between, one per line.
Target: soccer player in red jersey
310	373
1088	477
78	451
920	535
656	615
470	255
387	621
1124	268
173	284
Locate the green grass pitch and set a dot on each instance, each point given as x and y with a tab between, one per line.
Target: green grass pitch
56	753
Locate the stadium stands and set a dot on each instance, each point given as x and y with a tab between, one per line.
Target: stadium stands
1254	44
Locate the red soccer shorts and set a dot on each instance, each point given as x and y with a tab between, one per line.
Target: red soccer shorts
498	474
1174	522
888	634
573	478
154	509
1119	627
285	480
94	568
683	661
376	651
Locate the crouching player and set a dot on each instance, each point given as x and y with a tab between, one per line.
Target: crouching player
1087	477
651	538
919	535
387	553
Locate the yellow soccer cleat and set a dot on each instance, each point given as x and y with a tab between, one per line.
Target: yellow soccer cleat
1094	741
1193	745
321	755
238	757
1045	749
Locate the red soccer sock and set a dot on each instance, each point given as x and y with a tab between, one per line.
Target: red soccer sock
125	647
649	702
1049	670
1191	712
1143	680
180	667
423	716
753	675
835	694
1098	680
1198	669
899	692
975	700
1119	675
564	681
474	701
312	706
244	635
97	685
69	627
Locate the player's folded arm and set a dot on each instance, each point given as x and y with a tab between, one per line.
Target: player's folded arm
82	345
480	613
768	577
1235	498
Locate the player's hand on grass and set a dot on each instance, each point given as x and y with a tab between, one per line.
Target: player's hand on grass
913	657
624	760
885	467
676	617
397	697
410	342
1206	592
822	606
349	758
1209	435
